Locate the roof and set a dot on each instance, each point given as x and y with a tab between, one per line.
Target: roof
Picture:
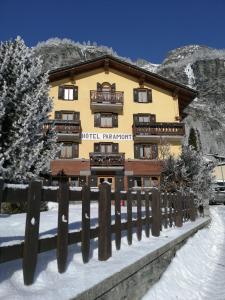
184	93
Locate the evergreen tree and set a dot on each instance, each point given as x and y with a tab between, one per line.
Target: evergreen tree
25	151
192	140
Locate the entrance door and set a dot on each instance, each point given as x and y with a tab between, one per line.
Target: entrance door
109	179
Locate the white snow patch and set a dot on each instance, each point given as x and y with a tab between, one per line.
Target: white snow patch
16	186
52	188
190	75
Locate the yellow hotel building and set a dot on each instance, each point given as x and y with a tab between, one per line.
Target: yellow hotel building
113	119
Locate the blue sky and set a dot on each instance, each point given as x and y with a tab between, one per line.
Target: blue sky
137	29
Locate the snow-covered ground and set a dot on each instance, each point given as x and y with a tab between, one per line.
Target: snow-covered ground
49	284
198	269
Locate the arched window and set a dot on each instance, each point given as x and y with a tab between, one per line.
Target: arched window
106	87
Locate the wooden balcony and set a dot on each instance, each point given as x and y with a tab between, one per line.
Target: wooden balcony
156	131
105	101
107	160
66	130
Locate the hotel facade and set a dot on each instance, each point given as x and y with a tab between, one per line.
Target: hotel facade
115	121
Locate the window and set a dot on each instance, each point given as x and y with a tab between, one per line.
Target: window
69	150
74	181
142	95
106	147
144	119
105	120
143	182
68	92
67	116
146	151
137	181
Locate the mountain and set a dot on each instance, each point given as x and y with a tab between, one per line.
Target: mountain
199	67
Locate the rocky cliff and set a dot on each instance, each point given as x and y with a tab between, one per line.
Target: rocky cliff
199	67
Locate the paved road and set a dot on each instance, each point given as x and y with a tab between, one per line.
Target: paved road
198	269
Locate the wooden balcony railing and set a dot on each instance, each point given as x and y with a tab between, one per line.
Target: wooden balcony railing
106	159
106	97
146	129
64	127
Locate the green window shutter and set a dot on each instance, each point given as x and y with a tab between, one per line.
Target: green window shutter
149	95
97	120
136	151
75	93
115	147
152	118
76	116
115	120
135	119
99	87
155	151
119	182
61	92
96	147
135	93
113	87
75	150
58	115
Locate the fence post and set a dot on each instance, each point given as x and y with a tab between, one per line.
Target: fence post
156	214
62	236
85	233
104	240
129	218
139	219
30	249
117	219
178	206
147	215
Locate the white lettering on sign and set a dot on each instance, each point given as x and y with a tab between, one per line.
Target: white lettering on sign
94	136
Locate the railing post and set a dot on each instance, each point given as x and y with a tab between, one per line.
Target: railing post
156	214
147	213
139	218
62	236
30	249
85	233
104	241
129	218
117	219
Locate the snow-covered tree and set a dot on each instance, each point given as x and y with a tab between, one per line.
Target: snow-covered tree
25	151
189	172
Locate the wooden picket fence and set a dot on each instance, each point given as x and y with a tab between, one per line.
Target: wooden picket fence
160	210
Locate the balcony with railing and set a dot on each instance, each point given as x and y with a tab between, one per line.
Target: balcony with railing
66	130
154	131
108	160
102	100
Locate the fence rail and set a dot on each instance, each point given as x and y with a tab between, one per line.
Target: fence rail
160	210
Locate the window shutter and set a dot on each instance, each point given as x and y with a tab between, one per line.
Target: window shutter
58	115
149	95
99	87
82	180
115	147
152	118
130	180
75	150
58	154
75	93
135	92
61	92
96	147
115	120
92	180
76	116
119	183
155	151
113	87
136	151
135	119
97	120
